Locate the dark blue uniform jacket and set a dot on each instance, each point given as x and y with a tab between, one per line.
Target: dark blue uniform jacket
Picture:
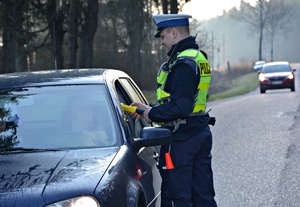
182	84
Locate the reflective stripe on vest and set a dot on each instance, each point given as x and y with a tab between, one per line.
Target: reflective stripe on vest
203	86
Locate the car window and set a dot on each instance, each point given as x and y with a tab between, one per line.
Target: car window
132	90
135	94
260	62
276	68
57	117
128	93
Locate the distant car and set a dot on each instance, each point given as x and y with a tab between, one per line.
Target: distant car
65	141
258	65
277	75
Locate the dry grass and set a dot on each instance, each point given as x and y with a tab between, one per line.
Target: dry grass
231	81
241	85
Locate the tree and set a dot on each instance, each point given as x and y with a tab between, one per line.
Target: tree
134	24
55	20
82	26
73	22
169	6
277	21
255	16
26	30
8	36
86	36
122	38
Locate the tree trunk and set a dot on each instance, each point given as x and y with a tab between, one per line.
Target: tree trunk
85	59
9	36
59	39
174	6
55	23
261	19
272	47
73	32
85	52
134	26
165	4
260	44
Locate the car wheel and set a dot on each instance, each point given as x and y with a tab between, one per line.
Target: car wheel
293	88
141	202
262	90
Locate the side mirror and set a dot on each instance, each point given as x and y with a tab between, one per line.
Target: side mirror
153	136
294	70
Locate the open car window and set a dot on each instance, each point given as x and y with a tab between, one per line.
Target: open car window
127	93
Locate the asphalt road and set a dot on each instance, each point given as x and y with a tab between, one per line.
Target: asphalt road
256	149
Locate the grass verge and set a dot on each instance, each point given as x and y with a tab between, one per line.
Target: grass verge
239	86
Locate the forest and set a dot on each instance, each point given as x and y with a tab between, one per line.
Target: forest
118	34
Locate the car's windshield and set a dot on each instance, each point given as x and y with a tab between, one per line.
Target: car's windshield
276	68
56	117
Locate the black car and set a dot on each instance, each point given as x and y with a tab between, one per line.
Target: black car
277	75
65	141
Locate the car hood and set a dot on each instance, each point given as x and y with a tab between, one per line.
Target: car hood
276	74
50	176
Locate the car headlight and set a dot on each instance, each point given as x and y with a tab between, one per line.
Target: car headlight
290	76
262	78
82	201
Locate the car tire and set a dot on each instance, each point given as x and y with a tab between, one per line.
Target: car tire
141	202
293	88
262	90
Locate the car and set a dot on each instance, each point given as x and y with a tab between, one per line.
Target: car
276	75
65	141
258	65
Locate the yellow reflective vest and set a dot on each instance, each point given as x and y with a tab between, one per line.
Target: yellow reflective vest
205	77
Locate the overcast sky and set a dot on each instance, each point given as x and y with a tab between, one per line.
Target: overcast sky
206	9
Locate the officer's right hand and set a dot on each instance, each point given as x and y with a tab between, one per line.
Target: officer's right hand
145	113
138	105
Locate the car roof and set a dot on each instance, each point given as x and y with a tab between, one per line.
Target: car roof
260	62
277	63
56	77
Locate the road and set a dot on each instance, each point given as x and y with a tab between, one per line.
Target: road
256	149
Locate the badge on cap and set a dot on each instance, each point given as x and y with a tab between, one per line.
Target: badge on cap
163	21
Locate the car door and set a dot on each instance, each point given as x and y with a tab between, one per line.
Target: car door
129	92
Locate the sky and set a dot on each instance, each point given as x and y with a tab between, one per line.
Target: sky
207	9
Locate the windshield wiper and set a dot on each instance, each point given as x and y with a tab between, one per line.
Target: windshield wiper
22	149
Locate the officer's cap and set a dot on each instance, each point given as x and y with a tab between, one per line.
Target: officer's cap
163	21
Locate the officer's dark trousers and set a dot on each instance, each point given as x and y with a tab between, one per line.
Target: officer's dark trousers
190	183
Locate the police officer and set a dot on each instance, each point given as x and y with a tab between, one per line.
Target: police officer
182	87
